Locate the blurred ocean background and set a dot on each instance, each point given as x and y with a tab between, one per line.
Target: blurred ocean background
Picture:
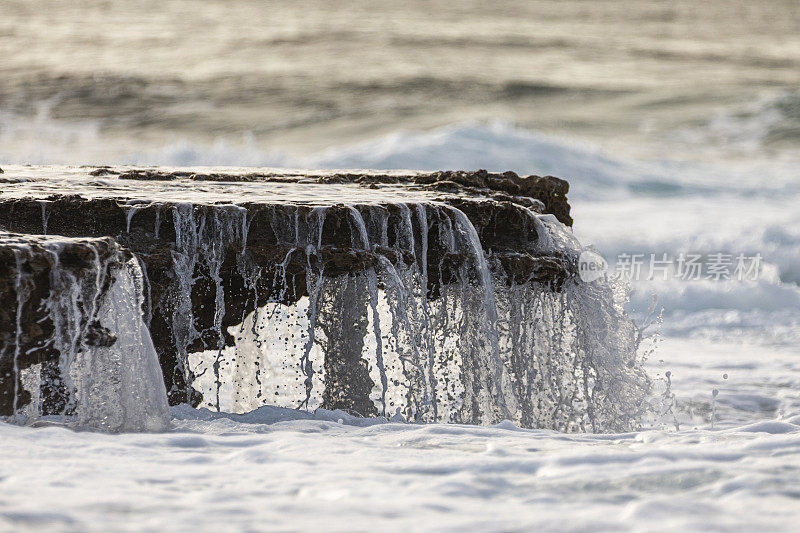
677	124
238	81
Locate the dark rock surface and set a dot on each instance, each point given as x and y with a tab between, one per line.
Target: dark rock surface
259	257
27	265
508	186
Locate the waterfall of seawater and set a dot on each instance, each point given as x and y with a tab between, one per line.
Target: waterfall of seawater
441	335
381	310
96	366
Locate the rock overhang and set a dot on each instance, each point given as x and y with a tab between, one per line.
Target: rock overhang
259	235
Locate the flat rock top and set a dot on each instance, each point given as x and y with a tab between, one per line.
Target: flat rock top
196	185
229	185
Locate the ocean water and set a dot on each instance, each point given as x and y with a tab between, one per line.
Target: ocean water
678	127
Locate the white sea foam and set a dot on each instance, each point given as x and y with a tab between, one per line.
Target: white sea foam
283	469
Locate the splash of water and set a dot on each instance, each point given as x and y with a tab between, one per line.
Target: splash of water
82	355
444	335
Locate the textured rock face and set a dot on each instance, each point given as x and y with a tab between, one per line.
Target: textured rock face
31	271
508	186
211	260
73	342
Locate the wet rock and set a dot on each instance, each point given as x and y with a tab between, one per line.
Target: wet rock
97	335
255	253
548	190
29	265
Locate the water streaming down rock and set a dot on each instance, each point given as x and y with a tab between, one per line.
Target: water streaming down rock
473	346
200	242
440	297
80	351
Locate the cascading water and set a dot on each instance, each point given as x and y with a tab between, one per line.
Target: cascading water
469	345
81	355
200	241
449	296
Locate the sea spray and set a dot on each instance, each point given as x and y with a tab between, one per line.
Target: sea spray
201	238
481	348
120	386
82	354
